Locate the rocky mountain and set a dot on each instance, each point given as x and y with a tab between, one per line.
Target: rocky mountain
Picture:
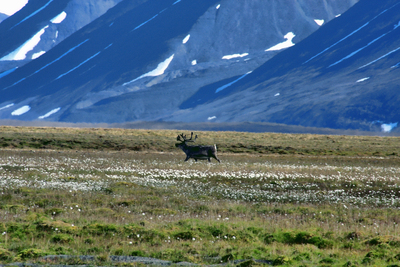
42	24
343	76
209	60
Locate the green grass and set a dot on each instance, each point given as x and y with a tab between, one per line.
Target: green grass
100	196
227	142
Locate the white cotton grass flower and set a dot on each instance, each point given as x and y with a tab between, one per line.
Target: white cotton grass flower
267	181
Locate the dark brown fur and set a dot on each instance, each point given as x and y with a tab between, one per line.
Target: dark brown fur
196	152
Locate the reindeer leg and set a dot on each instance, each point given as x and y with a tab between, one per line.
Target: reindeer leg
215	157
187	158
209	160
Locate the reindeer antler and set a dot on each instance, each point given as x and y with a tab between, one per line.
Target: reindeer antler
178	138
183	138
191	137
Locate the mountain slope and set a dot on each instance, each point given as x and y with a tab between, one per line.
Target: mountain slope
343	76
42	24
157	98
3	17
143	59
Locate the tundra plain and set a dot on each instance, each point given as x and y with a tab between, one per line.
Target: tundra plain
275	199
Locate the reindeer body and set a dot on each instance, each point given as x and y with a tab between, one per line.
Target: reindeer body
197	152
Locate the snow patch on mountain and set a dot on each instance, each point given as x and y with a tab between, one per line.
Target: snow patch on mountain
7	106
288	43
48	114
38	54
186	39
156	72
362	80
59	18
10	7
20	52
21	110
235	56
388	127
319	21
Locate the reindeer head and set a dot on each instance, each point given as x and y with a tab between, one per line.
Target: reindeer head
182	139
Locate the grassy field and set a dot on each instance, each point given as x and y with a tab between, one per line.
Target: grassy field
298	200
228	142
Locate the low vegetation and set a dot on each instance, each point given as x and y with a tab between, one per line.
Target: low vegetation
163	141
275	199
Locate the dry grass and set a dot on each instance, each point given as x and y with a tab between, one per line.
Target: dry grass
284	208
163	140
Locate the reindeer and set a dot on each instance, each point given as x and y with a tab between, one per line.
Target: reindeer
196	152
